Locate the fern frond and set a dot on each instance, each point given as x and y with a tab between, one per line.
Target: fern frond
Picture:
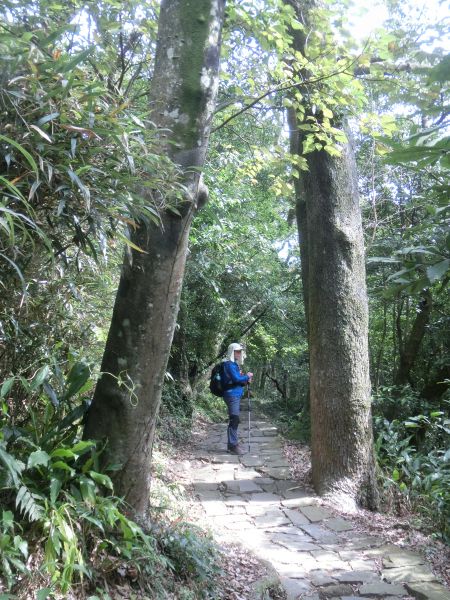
27	504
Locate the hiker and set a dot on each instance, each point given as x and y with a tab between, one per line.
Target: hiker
233	394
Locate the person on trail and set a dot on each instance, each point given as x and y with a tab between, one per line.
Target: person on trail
234	382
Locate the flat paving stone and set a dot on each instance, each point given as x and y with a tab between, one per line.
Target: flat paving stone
202	486
249	474
381	589
224	458
374	552
265	498
357	577
252	461
234	500
295	517
300	570
280	463
315	513
295	588
210	495
297	499
271	518
277	472
338	524
255	510
214	508
293	542
321	577
330	563
249	486
320	534
428	591
358	564
335	591
401	558
408	573
270	487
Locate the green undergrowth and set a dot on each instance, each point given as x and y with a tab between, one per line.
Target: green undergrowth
63	532
212	408
411	444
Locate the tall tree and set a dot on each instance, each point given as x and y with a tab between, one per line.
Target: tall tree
333	266
182	98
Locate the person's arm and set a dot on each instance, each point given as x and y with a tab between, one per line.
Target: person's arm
235	374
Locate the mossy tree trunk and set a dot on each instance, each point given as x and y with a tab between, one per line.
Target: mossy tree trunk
127	398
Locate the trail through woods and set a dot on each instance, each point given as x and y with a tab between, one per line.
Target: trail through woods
253	503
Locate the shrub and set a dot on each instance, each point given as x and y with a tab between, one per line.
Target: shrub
413	459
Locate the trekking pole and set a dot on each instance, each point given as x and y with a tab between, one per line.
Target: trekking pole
248	398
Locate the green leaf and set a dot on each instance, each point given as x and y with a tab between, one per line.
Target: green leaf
24	152
82	447
12	188
88	490
383	259
14	466
441	72
101	479
73	416
8	518
128	242
48	118
437	271
71	64
40	377
43	594
6	387
63	453
77	377
39	457
55	487
59	464
395	475
21	545
83	189
42	133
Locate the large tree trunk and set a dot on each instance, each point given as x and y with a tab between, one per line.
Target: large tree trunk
333	273
127	397
341	424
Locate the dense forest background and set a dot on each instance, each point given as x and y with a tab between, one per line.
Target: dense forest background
81	169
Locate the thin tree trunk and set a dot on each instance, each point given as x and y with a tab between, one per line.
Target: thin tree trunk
381	348
127	397
410	348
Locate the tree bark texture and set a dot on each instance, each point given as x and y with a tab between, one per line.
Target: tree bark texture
182	98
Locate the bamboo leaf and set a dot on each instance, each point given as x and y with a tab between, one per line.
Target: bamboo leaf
41	133
24	152
128	242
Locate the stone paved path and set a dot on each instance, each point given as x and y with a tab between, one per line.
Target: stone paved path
252	500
